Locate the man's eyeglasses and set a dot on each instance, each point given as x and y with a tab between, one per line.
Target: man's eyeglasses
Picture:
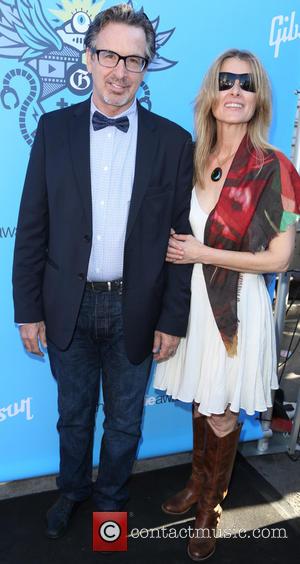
227	80
110	59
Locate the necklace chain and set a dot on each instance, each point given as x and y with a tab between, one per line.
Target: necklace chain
220	164
217	172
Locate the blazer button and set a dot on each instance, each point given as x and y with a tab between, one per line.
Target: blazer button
87	238
81	276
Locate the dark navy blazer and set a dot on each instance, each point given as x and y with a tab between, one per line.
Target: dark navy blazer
54	233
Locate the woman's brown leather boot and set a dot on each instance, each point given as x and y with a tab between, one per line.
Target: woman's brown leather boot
218	463
182	501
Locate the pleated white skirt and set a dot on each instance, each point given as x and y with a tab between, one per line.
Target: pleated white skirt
201	370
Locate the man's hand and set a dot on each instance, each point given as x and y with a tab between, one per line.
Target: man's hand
164	346
32	334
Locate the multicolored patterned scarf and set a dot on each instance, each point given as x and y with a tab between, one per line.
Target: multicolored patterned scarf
257	202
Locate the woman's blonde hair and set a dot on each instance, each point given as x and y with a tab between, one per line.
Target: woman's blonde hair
205	122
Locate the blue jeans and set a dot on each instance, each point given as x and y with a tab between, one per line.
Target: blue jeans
98	346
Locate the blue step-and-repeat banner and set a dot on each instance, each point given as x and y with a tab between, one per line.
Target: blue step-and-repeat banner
42	68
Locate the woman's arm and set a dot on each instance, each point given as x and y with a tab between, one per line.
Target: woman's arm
185	249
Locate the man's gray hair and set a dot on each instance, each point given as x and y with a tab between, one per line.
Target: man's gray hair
122	13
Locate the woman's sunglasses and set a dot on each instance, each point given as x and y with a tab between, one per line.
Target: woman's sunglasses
227	80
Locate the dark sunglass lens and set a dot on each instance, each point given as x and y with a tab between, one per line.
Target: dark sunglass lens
225	81
247	83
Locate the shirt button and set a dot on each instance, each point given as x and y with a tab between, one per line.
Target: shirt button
98	237
105	167
109	135
97	269
102	203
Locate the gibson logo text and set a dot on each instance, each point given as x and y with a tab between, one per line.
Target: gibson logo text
283	28
16	408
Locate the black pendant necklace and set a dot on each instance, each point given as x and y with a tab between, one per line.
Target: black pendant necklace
217	172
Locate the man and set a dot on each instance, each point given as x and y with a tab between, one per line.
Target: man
99	200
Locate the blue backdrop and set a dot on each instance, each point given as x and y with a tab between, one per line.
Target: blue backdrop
41	69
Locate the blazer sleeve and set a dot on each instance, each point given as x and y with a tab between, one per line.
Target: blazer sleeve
31	237
176	299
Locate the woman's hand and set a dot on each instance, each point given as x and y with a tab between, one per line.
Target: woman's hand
186	249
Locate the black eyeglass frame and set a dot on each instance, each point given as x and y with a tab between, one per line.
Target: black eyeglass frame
245	79
145	60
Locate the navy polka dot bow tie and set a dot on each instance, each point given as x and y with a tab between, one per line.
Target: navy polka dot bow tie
100	121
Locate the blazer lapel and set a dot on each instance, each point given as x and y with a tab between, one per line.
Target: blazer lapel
80	150
146	147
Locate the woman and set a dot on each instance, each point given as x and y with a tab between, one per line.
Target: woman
243	211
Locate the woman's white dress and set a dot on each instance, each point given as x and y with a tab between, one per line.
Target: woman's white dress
201	370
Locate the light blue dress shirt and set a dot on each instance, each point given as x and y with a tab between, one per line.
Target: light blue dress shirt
112	160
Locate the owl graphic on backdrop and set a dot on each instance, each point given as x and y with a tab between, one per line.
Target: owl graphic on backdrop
50	56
